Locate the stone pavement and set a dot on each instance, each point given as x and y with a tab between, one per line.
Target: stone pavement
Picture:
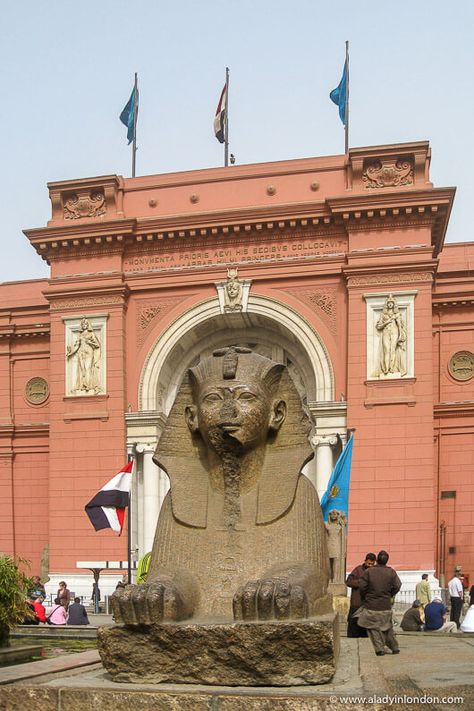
428	666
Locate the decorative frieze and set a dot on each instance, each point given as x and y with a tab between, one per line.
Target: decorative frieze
388	173
81	302
84	204
395	278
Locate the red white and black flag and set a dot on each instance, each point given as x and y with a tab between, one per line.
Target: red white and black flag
219	120
107	508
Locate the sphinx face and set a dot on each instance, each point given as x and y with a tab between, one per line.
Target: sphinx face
233	416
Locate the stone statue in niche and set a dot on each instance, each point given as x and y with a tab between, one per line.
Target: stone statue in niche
337	546
391	327
233	292
86	350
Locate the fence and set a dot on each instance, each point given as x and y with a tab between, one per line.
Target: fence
405	598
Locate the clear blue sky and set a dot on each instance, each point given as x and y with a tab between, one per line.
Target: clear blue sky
68	71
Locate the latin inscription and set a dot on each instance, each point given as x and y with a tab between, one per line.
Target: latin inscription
288	250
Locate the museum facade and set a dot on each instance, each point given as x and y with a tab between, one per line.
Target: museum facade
335	266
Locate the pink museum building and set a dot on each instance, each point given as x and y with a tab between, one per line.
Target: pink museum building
342	274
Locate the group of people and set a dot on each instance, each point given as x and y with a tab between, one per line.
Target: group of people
61	613
430	614
374	585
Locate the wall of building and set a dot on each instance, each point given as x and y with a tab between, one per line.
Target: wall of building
317	238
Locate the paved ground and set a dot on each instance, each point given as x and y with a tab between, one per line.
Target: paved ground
428	666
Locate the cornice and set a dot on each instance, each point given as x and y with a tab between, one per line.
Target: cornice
456	300
24	331
350	212
454	409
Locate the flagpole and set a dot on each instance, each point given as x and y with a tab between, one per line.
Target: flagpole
135	117
129	526
346	126
226	122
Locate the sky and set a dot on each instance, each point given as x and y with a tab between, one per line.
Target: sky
68	68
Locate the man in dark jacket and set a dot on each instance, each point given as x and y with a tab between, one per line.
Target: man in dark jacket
77	614
377	587
412	621
353	628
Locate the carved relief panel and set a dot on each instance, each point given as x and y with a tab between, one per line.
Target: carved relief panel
390	335
85	355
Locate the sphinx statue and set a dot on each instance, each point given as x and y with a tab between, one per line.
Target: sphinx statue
240	536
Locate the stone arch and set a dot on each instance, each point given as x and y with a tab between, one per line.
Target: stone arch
267	324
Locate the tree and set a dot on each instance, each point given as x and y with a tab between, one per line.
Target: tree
14	586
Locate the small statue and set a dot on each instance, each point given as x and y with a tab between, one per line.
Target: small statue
393	337
86	348
233	292
337	545
240	534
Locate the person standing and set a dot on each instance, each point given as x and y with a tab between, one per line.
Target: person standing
456	596
423	593
64	595
377	587
77	614
353	628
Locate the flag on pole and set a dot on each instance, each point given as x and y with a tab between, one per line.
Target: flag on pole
339	95
107	508
129	114
336	495
219	120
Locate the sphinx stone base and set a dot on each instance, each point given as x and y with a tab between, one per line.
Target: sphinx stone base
230	654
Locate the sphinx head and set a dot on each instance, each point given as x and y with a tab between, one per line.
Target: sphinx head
235	408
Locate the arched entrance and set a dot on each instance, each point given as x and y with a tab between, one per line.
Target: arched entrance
268	327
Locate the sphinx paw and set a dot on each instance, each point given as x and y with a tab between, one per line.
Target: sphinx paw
270	599
147	604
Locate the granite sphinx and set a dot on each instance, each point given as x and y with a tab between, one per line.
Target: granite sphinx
240	538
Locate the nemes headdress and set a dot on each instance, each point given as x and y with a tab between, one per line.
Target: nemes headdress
182	455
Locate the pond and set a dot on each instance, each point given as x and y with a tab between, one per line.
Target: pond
53	648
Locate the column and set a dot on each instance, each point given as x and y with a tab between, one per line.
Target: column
323	445
150	496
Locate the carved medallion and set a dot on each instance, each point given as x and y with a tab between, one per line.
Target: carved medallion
86	204
36	391
461	365
388	173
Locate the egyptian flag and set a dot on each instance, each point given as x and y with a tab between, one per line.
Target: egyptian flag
107	508
219	120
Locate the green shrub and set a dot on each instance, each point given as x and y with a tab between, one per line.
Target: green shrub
14	585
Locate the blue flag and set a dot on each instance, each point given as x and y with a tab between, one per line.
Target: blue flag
339	95
336	495
129	113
